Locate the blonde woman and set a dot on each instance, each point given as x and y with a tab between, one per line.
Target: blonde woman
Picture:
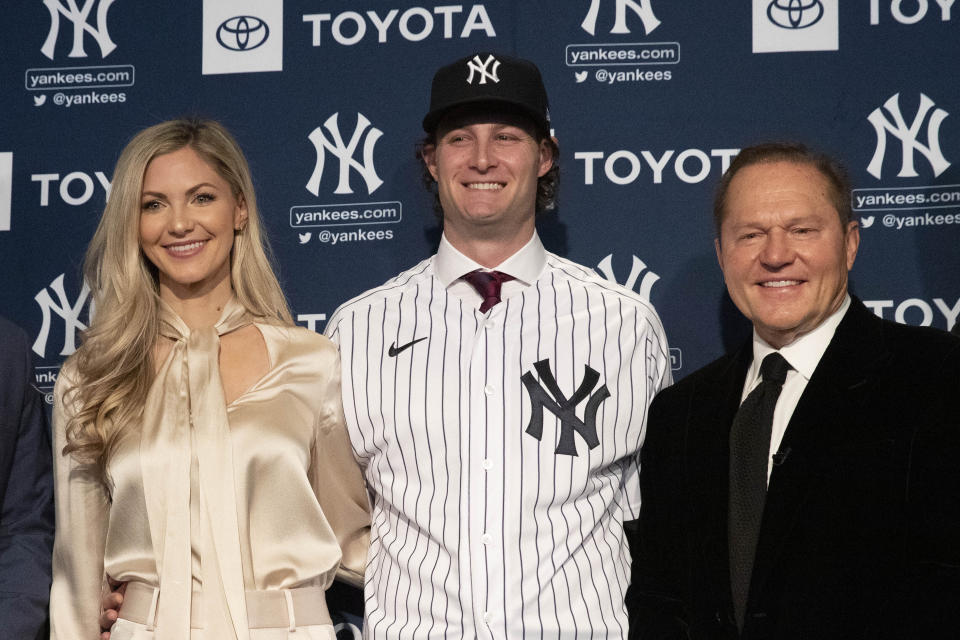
201	454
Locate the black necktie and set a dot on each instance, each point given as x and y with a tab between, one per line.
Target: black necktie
487	284
749	454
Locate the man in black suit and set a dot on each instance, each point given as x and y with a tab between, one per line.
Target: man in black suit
26	492
815	493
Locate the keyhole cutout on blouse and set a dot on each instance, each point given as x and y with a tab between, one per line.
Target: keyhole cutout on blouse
244	360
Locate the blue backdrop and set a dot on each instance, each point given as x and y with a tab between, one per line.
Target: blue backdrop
649	99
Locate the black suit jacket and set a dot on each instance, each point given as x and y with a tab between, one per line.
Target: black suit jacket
26	492
860	535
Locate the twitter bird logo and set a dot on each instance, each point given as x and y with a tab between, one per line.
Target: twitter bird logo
866	222
39	100
305	237
580	76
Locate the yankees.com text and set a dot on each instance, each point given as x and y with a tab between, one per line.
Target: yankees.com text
332	215
881	199
79	77
629	53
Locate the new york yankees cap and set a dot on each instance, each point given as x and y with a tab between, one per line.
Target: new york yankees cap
492	78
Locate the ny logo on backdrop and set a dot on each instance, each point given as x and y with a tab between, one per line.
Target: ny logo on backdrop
482	68
649	279
641	8
344	153
565	409
79	17
70	314
908	136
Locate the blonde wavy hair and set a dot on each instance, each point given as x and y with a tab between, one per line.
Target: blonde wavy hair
112	370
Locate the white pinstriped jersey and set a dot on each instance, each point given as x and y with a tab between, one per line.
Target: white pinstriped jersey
485	526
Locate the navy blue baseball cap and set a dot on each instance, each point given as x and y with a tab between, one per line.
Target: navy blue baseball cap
489	78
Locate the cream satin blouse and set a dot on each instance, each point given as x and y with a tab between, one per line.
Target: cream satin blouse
263	493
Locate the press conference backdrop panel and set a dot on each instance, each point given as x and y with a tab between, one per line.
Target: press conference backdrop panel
650	99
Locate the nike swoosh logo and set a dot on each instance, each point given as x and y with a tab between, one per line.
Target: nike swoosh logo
394	350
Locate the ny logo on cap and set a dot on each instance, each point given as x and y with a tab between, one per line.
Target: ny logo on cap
483	68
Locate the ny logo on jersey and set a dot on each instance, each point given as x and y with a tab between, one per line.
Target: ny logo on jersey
69	313
565	409
78	16
908	137
641	8
344	152
483	69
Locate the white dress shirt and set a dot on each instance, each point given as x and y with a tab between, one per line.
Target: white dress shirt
804	355
525	265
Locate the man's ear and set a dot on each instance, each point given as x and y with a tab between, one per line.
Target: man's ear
852	242
546	156
429	154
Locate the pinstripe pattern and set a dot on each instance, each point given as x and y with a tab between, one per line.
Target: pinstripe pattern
479	529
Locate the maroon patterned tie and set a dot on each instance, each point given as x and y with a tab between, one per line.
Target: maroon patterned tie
487	284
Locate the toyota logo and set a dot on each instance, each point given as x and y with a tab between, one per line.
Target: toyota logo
795	14
242	33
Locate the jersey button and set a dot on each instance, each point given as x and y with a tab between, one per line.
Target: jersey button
488	389
488	464
486	538
490	324
487	617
